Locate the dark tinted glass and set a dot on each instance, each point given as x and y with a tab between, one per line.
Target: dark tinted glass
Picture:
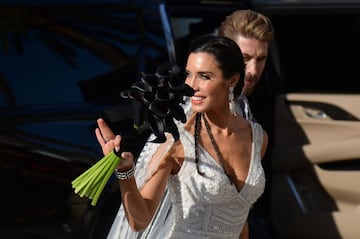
75	54
319	51
191	21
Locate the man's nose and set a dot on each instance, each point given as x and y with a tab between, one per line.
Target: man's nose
251	68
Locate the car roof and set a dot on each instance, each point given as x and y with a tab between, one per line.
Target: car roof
294	2
306	3
47	2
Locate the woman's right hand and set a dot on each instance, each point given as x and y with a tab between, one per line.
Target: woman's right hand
109	142
106	137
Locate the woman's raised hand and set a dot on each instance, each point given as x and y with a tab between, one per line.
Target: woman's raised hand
108	141
106	137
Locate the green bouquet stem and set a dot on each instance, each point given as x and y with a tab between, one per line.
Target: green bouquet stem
92	182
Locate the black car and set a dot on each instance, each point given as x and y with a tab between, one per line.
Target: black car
63	65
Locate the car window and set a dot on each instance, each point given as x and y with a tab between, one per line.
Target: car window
75	54
189	21
318	51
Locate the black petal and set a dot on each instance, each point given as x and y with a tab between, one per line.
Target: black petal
160	108
172	128
160	139
161	95
136	95
156	124
188	91
179	114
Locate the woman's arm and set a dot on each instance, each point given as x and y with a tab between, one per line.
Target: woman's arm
152	192
139	207
265	144
245	232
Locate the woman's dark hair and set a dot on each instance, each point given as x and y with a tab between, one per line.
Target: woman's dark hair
227	54
230	61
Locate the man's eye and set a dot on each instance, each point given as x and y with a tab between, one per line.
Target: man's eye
261	59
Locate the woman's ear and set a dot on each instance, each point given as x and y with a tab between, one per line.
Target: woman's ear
234	79
235	82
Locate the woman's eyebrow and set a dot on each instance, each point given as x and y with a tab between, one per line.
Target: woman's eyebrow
205	72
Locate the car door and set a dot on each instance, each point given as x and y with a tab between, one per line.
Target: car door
315	156
316	166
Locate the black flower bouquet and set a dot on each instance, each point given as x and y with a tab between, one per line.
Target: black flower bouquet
160	95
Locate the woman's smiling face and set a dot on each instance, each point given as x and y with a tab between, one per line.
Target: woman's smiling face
206	78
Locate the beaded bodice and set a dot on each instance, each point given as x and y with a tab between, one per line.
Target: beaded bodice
195	206
210	206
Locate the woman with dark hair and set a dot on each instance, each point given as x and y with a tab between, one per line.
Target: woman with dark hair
212	174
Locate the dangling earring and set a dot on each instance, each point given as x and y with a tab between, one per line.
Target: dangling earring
232	104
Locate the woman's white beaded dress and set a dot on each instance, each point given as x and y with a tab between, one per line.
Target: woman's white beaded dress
196	206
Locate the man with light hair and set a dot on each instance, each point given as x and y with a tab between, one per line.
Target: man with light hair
253	33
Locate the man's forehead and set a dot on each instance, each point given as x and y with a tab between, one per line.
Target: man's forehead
252	46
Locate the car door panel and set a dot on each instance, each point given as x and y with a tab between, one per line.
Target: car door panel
315	165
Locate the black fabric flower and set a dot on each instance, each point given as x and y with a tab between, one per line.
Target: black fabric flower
160	95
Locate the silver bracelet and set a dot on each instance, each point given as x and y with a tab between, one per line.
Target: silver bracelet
125	175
